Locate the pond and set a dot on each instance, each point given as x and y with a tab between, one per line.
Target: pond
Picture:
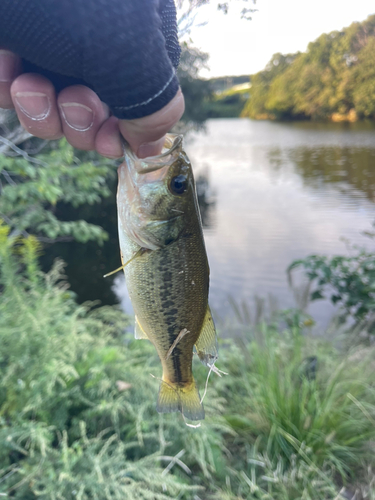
269	193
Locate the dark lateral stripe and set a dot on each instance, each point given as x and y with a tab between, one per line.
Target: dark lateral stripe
176	364
175	356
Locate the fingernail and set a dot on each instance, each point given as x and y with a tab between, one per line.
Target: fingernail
9	65
35	105
77	116
150	148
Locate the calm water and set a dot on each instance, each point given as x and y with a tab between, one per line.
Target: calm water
277	192
269	193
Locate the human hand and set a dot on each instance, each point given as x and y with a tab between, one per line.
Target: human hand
126	52
78	114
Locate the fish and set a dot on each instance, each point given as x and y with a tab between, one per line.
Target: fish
166	269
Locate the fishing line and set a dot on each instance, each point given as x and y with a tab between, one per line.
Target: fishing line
218	372
205	389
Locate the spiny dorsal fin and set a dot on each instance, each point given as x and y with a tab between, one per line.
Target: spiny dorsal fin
206	345
139	333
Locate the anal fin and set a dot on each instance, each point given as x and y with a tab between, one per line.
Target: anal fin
206	344
139	333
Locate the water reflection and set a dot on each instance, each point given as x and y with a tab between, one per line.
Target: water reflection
341	166
88	262
206	200
284	191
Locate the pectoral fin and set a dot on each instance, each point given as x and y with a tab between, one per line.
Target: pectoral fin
206	345
139	333
137	254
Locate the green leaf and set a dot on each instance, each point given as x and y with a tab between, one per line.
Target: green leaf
316	295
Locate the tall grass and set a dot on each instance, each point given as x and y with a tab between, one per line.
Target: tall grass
294	419
77	402
299	404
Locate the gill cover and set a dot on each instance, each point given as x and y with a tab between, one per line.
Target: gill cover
152	194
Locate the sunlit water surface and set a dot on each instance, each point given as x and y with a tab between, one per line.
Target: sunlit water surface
274	192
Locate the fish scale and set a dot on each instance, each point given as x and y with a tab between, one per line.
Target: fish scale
159	295
166	269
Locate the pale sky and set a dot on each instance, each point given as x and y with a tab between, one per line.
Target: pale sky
239	47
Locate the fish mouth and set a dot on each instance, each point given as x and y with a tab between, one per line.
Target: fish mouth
172	145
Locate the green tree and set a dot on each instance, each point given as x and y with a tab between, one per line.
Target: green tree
335	75
280	99
363	81
196	90
33	187
261	82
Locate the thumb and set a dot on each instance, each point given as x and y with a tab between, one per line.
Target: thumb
146	135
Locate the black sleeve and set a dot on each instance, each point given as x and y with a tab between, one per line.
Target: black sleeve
125	50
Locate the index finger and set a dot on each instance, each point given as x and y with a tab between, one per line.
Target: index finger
10	68
146	135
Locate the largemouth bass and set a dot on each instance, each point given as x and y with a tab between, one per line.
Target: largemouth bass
166	269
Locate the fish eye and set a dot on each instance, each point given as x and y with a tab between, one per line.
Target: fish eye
178	184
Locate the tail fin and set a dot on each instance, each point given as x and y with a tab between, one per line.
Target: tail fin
168	399
192	407
184	399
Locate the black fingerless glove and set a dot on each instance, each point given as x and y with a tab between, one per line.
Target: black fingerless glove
125	50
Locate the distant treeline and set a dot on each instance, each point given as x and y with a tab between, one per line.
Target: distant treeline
334	79
207	98
223	83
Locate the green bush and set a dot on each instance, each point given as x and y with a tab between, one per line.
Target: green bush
77	403
35	186
348	281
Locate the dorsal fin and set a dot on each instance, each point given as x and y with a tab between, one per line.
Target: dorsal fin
139	333
206	345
